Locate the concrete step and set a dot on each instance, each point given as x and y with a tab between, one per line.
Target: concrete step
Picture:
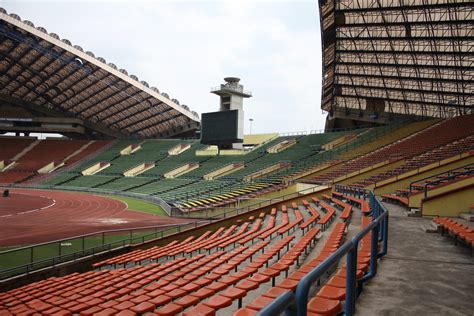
430	227
467	216
414	213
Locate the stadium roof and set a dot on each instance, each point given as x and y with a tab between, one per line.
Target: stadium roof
384	58
40	71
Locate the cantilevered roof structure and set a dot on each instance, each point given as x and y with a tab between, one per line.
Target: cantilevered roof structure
389	59
44	74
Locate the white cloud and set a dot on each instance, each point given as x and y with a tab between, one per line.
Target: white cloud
184	48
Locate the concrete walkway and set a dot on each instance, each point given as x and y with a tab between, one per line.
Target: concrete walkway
423	273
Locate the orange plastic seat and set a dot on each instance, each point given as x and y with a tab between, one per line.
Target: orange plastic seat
108	304
78	308
324	306
247	285
218	301
176	293
87	312
187	301
271	272
234	293
332	292
342	273
337	281
143	307
200	310
260	302
297	275
159	300
288	284
126	313
202	282
259	278
229	280
123	305
212	276
106	312
249	270
216	286
274	292
244	311
170	309
190	287
139	299
203	293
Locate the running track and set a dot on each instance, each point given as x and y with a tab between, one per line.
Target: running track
35	216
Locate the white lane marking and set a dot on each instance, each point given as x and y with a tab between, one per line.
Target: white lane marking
36	209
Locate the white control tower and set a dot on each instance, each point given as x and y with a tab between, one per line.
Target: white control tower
232	96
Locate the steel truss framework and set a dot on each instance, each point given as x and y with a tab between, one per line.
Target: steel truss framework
409	57
41	70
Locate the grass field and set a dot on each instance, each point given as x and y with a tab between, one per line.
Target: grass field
139	205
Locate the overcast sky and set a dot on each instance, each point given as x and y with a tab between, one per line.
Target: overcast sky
186	47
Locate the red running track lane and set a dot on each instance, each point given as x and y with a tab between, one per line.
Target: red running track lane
72	214
18	203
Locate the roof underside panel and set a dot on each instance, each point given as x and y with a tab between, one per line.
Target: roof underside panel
41	70
406	57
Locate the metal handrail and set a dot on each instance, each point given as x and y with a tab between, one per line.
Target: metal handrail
447	173
297	304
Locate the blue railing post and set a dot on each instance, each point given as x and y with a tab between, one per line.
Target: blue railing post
283	303
374	245
384	237
351	267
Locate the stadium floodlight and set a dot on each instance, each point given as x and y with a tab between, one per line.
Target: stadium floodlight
78	61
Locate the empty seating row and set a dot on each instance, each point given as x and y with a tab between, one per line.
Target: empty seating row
395	198
457	230
435	136
362	204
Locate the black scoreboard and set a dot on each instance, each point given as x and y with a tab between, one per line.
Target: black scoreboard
220	128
